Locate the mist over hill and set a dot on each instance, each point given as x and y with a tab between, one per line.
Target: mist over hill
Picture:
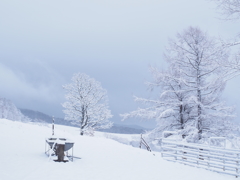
9	111
37	116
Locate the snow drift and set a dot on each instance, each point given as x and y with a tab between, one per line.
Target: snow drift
23	158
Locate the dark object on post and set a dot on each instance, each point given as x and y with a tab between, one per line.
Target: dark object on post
60	147
60	152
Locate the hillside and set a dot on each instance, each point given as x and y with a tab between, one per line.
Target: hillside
8	110
23	158
37	116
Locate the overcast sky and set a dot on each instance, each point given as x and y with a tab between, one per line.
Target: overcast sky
43	43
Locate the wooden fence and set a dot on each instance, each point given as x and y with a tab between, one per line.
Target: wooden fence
211	158
144	143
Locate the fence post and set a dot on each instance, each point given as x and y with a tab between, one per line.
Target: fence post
162	149
183	154
140	145
208	159
176	154
198	157
237	162
223	162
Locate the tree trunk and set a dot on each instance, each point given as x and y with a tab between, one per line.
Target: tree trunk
199	98
181	116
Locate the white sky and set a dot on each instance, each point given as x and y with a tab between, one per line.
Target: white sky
43	43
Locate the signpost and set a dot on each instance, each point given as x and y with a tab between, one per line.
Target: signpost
53	126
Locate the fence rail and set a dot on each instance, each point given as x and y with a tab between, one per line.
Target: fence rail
215	159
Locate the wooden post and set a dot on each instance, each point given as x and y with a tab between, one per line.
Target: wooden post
237	167
140	145
60	152
223	162
52	125
208	159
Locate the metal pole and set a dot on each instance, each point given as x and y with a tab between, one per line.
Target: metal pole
53	125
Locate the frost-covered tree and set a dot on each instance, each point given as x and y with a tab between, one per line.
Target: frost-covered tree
9	111
200	58
190	90
230	8
170	108
86	103
173	96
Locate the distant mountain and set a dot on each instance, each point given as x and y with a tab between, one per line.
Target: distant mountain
37	116
124	129
9	111
135	126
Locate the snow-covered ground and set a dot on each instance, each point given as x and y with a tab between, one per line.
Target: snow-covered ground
22	157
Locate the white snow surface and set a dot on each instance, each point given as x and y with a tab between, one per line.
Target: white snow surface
23	158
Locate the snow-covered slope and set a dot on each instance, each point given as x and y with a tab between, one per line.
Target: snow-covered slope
22	157
9	111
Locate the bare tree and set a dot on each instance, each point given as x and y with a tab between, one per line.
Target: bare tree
230	8
86	104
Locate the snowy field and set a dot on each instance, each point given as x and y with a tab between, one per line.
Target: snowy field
23	158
